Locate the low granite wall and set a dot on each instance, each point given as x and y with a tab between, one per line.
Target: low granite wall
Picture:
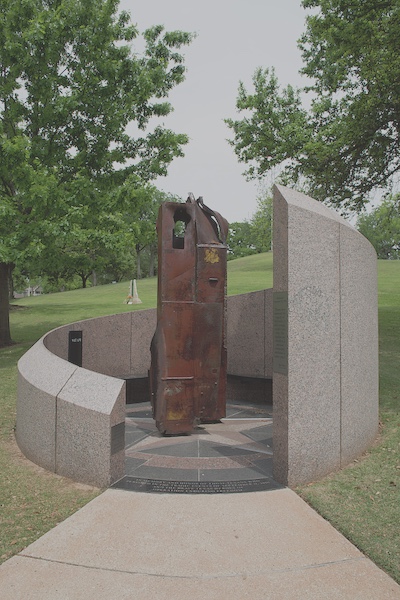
70	419
119	345
315	335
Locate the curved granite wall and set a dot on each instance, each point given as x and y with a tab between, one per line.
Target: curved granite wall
70	420
323	359
119	345
325	375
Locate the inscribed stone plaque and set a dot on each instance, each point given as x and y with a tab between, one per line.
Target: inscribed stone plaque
136	484
117	437
75	347
280	335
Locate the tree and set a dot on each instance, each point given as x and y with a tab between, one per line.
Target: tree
144	225
262	223
254	236
347	144
382	227
240	240
70	85
274	126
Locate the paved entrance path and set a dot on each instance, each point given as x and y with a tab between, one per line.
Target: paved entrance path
132	545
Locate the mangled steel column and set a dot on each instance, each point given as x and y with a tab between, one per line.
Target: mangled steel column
188	350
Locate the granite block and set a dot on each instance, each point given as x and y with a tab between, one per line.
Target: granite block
41	375
329	275
359	345
246	335
88	407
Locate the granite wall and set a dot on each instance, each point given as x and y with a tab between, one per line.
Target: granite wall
325	374
316	334
119	345
70	419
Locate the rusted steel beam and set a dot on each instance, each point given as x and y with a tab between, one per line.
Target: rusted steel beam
188	350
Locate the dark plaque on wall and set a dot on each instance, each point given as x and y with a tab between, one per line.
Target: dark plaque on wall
280	327
75	347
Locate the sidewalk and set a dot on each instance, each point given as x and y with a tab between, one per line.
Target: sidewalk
140	546
131	545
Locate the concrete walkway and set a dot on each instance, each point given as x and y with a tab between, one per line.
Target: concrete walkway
132	545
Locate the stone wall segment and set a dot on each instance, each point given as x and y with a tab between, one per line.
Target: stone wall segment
41	376
316	405
249	334
88	407
359	345
67	418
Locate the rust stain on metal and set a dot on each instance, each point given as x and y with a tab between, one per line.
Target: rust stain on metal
188	350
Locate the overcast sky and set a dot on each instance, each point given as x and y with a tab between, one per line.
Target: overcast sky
234	37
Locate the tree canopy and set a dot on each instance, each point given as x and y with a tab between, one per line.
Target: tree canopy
255	235
381	227
78	110
347	143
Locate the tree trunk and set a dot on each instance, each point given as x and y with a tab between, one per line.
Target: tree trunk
153	249
138	269
84	278
5	333
10	281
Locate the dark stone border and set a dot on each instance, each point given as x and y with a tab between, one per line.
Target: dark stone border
157	486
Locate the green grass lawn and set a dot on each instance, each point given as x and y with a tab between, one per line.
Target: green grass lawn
362	501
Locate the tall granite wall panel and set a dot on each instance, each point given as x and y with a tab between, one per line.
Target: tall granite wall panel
249	334
359	347
311	307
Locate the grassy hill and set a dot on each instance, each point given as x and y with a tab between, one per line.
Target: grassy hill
362	501
34	316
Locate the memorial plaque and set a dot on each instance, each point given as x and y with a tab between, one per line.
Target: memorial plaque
117	438
158	486
75	347
280	335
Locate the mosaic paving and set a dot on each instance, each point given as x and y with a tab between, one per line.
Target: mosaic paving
233	455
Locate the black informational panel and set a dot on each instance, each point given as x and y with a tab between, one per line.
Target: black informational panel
75	347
